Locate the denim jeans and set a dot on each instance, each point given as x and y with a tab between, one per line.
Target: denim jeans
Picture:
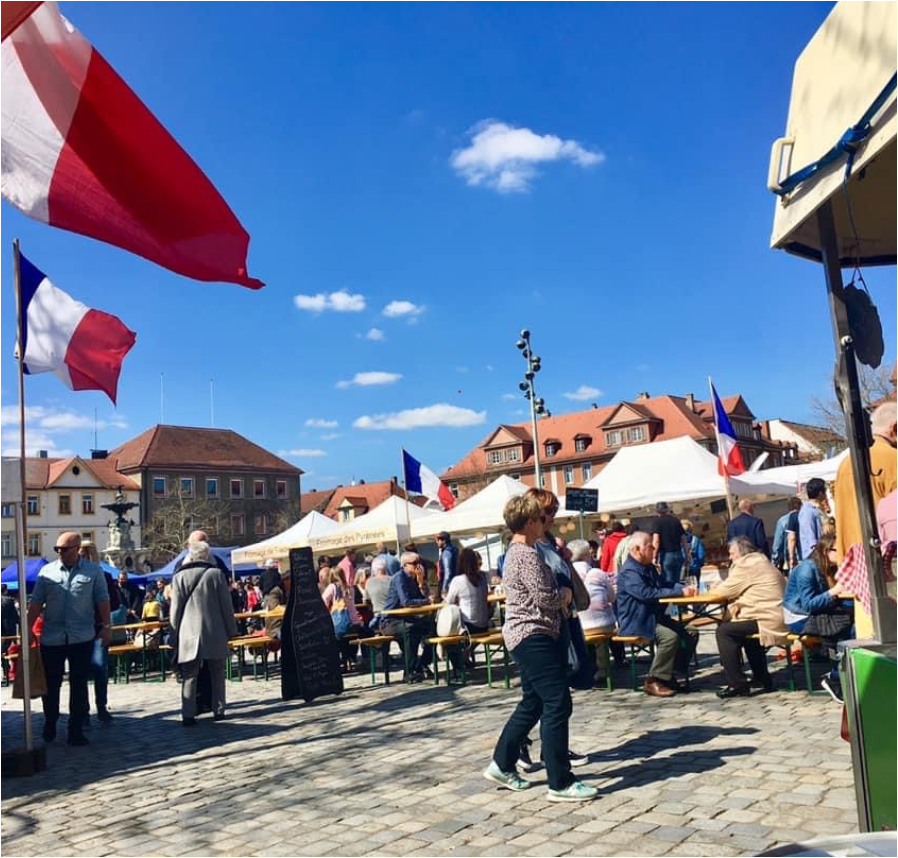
99	671
672	565
54	658
547	699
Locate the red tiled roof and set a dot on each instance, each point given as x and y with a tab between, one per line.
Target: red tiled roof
672	415
363	496
189	447
43	473
315	500
819	436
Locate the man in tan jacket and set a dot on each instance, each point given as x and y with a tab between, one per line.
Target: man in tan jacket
754	589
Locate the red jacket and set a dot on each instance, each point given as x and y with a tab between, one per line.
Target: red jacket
609	546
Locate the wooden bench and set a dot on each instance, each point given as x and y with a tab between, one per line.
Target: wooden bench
637	645
383	643
253	643
447	641
493	642
805	641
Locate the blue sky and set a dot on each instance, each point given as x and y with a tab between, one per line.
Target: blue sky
443	175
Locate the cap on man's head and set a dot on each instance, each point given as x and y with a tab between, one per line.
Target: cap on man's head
270	562
662	506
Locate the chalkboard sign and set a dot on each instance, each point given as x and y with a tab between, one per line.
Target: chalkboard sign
718	506
582	500
310	657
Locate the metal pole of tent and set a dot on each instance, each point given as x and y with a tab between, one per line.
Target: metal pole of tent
856	425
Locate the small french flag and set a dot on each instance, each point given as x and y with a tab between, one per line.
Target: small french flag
419	478
729	457
83	348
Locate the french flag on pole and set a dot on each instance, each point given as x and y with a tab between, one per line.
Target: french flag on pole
83	348
729	457
419	478
83	153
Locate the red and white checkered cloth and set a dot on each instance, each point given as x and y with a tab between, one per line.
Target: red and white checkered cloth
852	575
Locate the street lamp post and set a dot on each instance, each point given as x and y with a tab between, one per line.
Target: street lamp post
537	406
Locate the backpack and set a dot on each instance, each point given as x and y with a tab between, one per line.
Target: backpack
340	613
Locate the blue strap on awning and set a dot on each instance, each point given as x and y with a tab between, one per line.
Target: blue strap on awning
847	146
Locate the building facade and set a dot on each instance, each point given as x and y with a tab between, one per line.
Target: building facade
575	447
210	479
813	442
66	495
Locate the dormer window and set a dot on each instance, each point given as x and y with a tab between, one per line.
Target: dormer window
581	442
636	433
552	448
495	457
614	438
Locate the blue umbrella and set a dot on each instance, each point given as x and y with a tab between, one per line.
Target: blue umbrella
10	575
224	554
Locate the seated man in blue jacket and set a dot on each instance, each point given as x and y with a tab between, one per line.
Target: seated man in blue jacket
639	587
405	592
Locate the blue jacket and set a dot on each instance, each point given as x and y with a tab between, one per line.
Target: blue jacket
638	590
806	590
780	540
698	554
752	528
447	565
404	592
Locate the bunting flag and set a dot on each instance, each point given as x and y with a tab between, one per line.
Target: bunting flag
82	152
83	348
419	478
729	457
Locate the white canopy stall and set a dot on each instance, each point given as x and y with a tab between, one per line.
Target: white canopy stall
790	479
310	525
387	522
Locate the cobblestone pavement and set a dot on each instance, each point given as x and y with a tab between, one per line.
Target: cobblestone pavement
397	771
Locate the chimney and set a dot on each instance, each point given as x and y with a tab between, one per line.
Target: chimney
595	405
42	454
99	454
642	396
690	401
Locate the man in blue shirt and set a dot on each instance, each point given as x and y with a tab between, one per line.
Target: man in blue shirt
405	592
810	517
784	548
447	561
69	591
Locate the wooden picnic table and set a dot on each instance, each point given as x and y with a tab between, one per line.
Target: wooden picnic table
414	611
704	606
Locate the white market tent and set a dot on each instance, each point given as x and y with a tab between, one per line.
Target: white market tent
480	512
310	525
790	479
387	522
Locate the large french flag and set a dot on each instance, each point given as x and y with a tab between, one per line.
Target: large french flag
729	457
83	348
419	478
82	152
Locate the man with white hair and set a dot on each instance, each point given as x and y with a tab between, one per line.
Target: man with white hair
377	588
201	536
883	481
202	619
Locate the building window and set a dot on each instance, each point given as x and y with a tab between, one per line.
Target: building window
65	504
236	488
568	474
743	430
281	489
586	472
34	505
515	477
346	514
495	457
263	524
9	510
238	527
211	487
186	484
8	547
453	489
513	455
87	536
258	489
158	487
636	433
614	439
552	448
542	479
580	444
87	504
34	545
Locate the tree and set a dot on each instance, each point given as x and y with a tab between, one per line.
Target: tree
875	384
174	519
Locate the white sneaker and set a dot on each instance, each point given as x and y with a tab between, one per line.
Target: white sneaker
510	780
577	791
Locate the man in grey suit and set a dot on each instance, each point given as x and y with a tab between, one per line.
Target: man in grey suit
202	618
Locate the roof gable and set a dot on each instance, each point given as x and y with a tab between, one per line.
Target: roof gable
505	434
628	412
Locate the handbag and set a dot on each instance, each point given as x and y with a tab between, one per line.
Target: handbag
36	672
581	594
340	614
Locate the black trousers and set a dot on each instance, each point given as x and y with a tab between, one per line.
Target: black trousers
54	657
417	629
547	699
732	637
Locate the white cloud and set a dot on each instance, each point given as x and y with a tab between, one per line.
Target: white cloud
48	420
398	309
583	392
418	418
375	334
35	441
331	436
339	302
318	423
502	157
510	396
302	453
366	379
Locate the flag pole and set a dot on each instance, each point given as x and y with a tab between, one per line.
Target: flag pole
408	517
726	473
25	654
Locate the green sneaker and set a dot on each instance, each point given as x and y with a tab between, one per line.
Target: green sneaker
577	791
510	780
